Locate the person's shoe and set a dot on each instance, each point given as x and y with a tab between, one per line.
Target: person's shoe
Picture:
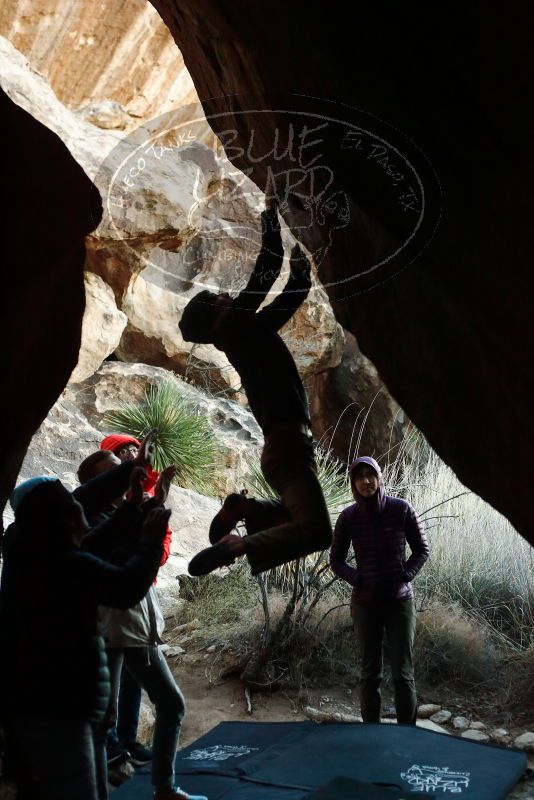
139	754
220	555
176	794
233	509
117	754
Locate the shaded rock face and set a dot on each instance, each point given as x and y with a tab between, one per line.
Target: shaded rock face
447	332
190	522
50	205
352	412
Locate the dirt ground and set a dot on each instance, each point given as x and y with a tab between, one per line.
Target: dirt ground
211	698
214	693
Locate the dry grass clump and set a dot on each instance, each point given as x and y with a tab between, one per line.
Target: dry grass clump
450	647
215	599
519	678
477	560
324	650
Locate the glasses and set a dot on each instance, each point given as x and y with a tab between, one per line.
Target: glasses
126	449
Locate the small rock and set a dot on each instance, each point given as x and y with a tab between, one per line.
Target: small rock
211	649
460	723
478	726
326	700
441	716
500	735
475	736
525	742
176	650
120	774
431	726
106	114
349	692
321	715
186	627
427	709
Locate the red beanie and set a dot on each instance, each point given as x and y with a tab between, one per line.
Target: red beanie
116	440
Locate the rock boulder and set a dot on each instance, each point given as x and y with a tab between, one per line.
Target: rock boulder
102	327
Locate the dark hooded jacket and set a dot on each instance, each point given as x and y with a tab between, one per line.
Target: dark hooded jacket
378	529
53	660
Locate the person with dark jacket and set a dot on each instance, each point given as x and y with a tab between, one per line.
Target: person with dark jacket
378	526
133	639
300	524
54	677
117	448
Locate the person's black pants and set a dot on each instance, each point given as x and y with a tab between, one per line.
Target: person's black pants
395	618
298	524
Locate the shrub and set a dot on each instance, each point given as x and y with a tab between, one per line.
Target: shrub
518	677
214	599
452	648
184	437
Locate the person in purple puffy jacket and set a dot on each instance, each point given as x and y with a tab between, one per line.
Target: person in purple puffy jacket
378	527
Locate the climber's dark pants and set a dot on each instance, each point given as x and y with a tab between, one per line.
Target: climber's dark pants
297	525
397	619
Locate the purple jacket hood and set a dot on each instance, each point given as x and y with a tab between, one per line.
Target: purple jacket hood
381	494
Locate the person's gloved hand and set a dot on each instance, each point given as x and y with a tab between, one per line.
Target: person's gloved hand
136	493
164	484
145	454
269	217
155	524
298	261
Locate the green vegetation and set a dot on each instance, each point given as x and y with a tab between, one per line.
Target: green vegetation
184	437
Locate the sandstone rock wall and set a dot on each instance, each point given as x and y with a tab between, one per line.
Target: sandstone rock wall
89	52
102	327
59	446
190	219
351	410
49	207
76	425
185	221
235	430
441	306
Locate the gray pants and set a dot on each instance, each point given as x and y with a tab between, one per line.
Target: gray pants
298	524
151	671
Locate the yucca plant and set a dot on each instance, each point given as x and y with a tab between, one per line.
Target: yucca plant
183	437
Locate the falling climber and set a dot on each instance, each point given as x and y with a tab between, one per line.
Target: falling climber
299	523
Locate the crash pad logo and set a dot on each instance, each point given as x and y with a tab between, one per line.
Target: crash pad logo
219	752
184	192
436	779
